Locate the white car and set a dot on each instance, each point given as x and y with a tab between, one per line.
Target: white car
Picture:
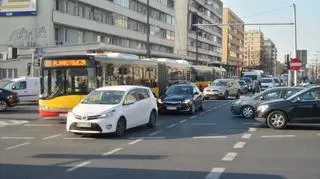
267	83
113	109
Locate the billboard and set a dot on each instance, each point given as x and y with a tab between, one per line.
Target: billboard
18	8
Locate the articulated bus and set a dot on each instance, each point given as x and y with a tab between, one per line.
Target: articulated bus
66	80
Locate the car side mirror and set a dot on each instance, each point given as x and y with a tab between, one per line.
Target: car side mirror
261	98
14	88
130	102
296	100
196	93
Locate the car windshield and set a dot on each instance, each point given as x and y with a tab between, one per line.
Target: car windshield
247	80
252	77
5	83
104	97
219	83
242	83
266	80
180	90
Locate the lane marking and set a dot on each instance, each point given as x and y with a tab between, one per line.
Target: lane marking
209	137
252	129
18	138
246	136
155	133
171	126
77	138
147	137
277	136
229	156
17	122
38	125
51	137
183	121
135	141
318	134
215	173
78	166
112	151
203	124
19	145
239	145
194	117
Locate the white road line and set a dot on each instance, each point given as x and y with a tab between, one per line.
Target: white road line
17	122
77	138
19	145
171	126
3	123
193	117
155	133
252	129
239	145
78	166
18	138
246	136
229	156
112	151
277	136
215	173
318	134
38	125
210	137
51	137
203	124
147	137
183	121
135	141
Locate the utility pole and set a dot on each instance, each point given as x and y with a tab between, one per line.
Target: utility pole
148	29
295	40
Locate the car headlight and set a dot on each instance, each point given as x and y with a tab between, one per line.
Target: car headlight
187	101
107	114
160	101
263	108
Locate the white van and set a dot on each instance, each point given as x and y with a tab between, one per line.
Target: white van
27	88
254	75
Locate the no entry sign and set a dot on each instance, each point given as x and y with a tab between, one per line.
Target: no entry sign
295	64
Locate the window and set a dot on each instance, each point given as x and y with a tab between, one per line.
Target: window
131	97
19	85
9	73
272	95
311	95
142	94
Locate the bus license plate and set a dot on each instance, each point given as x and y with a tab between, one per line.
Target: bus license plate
83	124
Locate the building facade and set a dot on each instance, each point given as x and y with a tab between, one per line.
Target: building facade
209	37
118	24
232	42
253	48
269	59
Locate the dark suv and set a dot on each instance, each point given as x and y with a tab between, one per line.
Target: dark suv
7	99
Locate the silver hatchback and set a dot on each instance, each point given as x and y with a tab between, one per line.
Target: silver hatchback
222	88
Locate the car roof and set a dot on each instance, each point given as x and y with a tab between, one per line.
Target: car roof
121	88
183	84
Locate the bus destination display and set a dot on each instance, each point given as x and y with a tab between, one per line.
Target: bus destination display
65	63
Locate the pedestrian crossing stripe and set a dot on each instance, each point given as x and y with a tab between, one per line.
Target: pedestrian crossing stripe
12	123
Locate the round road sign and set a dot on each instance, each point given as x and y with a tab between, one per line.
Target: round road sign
295	64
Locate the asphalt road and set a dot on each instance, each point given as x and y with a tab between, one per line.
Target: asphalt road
210	145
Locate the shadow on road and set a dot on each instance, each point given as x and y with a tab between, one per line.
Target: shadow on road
54	172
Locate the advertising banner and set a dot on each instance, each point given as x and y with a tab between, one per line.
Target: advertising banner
18	8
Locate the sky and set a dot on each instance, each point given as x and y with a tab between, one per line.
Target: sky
278	11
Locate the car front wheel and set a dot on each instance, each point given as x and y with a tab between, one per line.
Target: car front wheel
247	112
152	119
277	120
192	109
121	127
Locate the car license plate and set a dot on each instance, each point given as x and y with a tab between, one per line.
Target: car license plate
171	108
63	115
83	124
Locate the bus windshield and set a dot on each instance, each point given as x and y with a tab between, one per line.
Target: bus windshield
63	81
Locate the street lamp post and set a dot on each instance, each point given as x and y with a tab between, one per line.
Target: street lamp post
295	40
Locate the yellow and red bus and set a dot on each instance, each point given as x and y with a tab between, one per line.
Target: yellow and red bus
67	79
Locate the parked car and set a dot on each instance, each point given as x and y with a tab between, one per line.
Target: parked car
244	88
267	83
222	88
249	82
277	81
302	107
247	105
182	98
7	99
27	88
113	109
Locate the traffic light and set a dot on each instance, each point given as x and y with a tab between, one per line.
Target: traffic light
194	20
287	57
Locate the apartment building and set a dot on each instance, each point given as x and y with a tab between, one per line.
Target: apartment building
269	60
209	37
119	24
253	48
232	42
